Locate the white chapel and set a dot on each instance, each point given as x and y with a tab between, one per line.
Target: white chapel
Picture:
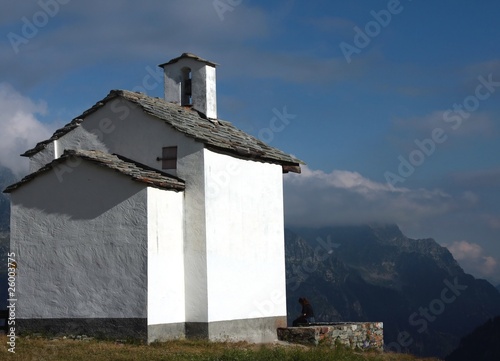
153	219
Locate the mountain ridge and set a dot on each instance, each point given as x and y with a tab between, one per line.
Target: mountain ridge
375	273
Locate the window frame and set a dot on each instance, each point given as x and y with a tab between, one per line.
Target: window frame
169	158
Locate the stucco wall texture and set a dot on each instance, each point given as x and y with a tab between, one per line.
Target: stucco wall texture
93	244
81	245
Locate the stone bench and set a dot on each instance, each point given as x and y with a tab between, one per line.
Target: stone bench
356	335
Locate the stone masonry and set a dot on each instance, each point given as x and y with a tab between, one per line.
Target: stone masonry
356	335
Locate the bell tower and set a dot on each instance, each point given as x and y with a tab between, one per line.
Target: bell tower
190	81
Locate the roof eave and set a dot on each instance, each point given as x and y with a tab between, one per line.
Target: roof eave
288	166
292	168
71	153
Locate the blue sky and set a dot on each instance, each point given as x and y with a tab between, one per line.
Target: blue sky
394	105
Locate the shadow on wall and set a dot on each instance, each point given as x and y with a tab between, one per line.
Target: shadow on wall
85	191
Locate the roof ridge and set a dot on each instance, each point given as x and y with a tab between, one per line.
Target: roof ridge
220	135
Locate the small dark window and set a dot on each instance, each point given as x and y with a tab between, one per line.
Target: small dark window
187	98
169	158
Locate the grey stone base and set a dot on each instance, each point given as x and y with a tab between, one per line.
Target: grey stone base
166	332
357	335
258	330
197	330
255	330
118	328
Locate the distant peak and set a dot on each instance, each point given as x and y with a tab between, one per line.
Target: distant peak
387	231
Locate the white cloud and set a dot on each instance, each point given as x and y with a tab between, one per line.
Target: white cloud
19	127
475	123
153	30
300	67
492	221
332	24
97	30
473	258
316	198
483	68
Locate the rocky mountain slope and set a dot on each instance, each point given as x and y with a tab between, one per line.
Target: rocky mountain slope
375	273
480	345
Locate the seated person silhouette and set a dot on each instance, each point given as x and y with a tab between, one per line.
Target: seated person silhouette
307	315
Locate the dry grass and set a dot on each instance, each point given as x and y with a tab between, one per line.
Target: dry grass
41	349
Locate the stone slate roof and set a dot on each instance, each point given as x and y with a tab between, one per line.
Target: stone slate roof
135	171
218	135
189	55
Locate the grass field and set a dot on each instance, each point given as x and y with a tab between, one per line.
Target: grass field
42	349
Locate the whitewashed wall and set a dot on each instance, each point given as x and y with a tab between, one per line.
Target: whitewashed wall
190	168
245	238
78	138
41	158
166	301
123	128
81	245
233	217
